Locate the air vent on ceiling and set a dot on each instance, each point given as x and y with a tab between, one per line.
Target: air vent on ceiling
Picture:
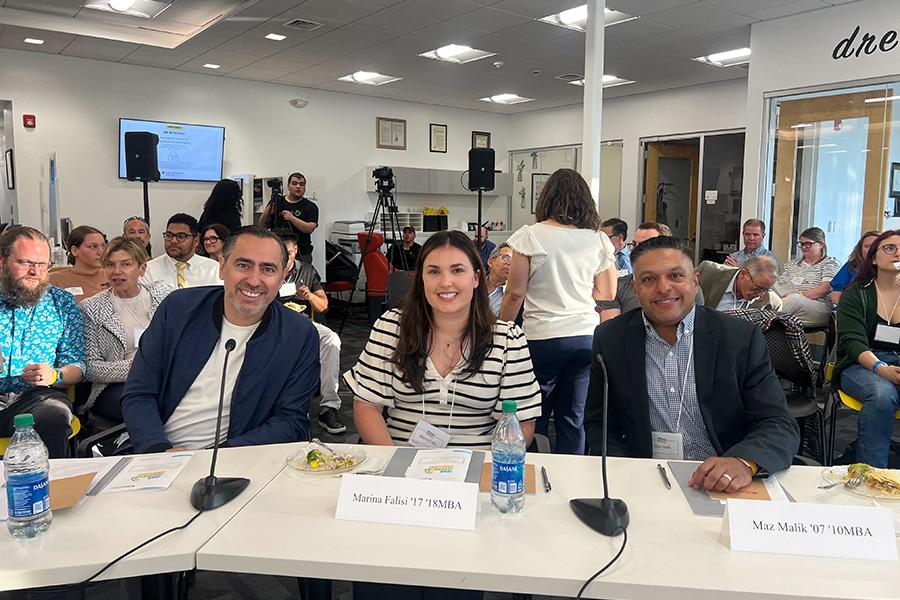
302	25
567	77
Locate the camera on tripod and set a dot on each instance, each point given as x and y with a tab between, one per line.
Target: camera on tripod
277	186
384	179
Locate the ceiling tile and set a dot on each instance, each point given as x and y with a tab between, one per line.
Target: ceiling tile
396	22
54	42
634	29
487	20
304	79
786	10
62	8
255	73
536	9
747	6
691	15
436	10
151	56
340	11
99	49
229	61
646	7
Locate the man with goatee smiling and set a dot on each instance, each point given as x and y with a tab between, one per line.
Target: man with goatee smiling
172	393
41	340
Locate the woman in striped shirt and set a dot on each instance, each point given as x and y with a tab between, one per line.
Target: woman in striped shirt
442	365
805	283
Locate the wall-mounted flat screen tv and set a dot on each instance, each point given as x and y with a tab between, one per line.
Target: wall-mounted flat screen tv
185	153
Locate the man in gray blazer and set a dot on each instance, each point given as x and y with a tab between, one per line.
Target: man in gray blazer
747	286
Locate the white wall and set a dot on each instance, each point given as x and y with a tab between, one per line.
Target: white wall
796	52
630	118
78	102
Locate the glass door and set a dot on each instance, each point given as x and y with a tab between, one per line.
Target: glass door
671	183
720	196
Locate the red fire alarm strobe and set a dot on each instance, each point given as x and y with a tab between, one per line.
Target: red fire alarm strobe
29	121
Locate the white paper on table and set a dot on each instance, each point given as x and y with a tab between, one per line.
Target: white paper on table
776	492
60	468
441	464
150	472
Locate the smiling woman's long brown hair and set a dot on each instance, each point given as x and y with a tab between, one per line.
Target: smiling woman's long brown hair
417	321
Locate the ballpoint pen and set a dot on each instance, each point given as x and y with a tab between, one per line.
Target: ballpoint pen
546	479
665	478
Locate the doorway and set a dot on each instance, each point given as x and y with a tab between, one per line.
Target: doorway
8	179
671	180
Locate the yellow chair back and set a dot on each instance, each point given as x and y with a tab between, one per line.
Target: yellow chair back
74	424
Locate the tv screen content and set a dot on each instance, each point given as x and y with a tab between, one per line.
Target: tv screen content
185	152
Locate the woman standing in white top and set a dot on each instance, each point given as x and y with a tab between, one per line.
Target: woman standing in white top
561	266
114	320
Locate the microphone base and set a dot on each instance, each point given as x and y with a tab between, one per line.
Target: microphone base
212	492
608	516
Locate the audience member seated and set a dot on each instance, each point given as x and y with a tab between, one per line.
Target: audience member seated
688	382
753	232
296	212
804	285
561	266
114	321
302	291
730	288
487	246
403	255
212	240
441	364
224	206
868	364
848	272
181	266
626	299
137	228
85	277
45	327
617	230
172	392
498	274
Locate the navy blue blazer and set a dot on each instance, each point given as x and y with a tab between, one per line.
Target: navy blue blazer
741	400
270	402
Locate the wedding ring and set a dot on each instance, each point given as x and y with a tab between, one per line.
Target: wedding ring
727	476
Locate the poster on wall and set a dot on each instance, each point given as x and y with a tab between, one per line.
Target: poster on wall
390	133
537	186
437	135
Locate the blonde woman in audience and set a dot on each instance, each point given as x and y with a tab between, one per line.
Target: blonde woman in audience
805	283
114	321
561	266
442	362
85	277
867	366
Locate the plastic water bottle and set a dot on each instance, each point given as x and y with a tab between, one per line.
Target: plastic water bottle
27	469
508	449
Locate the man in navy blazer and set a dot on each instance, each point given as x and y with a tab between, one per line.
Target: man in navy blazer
172	393
684	379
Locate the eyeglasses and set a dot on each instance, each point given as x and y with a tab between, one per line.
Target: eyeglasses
890	249
504	258
30	264
806	245
181	236
756	287
211	239
135	218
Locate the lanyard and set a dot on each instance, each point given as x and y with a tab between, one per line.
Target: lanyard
687	370
880	299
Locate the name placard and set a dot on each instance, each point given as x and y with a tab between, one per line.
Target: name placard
400	501
811	529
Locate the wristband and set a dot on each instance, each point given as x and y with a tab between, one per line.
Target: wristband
59	375
877	364
55	377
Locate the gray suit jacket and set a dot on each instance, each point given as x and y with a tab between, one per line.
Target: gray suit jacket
715	279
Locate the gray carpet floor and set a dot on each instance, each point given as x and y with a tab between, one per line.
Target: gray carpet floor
228	586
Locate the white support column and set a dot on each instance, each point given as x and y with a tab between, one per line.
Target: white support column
593	95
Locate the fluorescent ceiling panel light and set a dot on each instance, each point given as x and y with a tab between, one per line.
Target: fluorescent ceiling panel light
608	81
34	41
506	99
145	9
576	18
276	37
801	125
457	54
887	99
212	66
369	78
731	58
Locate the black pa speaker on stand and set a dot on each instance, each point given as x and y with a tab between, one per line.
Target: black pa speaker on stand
141	162
481	179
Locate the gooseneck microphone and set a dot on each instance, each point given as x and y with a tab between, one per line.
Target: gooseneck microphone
212	492
607	515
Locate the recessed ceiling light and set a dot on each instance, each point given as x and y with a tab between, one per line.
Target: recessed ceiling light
212	66
457	54
608	81
741	56
507	99
369	78
276	37
34	41
146	9
576	18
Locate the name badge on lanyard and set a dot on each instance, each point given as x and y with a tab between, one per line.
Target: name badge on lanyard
668	446
887	333
426	435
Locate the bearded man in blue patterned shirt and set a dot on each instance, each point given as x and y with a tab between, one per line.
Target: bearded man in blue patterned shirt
41	340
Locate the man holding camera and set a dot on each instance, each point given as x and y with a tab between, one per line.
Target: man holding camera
294	211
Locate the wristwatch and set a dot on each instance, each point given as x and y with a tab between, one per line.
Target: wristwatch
59	375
